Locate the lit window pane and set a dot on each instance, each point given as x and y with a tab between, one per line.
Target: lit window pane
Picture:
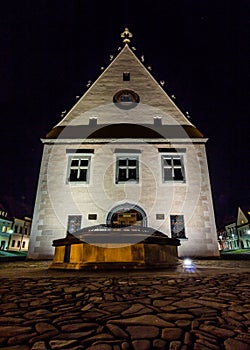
177	226
74	223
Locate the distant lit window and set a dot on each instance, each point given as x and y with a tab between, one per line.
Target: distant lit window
173	168
177	226
74	223
4	229
79	166
127	169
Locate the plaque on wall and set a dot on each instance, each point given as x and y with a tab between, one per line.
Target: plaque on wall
160	216
92	216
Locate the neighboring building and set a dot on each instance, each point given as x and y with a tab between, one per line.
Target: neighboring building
5	228
125	155
20	236
236	234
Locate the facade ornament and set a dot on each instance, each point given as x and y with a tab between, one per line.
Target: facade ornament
126	36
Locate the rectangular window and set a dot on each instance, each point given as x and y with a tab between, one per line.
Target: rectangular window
74	223
23	245
126	76
79	168
13	243
177	226
18	244
173	168
127	169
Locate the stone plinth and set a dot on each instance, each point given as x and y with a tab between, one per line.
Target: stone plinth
102	247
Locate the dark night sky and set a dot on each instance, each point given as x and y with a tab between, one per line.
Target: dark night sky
50	49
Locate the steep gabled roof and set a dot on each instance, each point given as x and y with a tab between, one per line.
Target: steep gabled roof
241	218
98	102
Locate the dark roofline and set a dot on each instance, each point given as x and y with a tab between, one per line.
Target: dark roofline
124	130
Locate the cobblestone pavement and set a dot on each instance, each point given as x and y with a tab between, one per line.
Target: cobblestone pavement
200	307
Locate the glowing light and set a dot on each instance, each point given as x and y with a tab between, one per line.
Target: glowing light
188	265
187	262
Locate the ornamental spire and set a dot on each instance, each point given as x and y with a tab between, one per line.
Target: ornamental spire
126	35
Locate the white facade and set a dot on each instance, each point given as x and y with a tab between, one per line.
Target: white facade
236	234
125	154
20	236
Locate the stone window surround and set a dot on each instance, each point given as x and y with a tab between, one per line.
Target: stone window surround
127	156
173	167
78	156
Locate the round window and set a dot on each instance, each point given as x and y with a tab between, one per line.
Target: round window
126	99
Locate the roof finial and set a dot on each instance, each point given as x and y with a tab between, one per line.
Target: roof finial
126	35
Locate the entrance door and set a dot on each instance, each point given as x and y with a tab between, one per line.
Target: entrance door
127	218
127	214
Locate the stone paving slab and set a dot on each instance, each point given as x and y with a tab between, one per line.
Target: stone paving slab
201	308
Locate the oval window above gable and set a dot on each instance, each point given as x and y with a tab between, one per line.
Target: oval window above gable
126	99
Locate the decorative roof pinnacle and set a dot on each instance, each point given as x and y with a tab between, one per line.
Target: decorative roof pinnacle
126	35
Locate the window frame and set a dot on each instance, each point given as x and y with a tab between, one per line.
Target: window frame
78	157
176	235
171	156
74	223
127	157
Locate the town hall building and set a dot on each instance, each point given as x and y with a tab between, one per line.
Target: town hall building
125	155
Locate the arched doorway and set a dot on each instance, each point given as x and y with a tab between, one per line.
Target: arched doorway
127	214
